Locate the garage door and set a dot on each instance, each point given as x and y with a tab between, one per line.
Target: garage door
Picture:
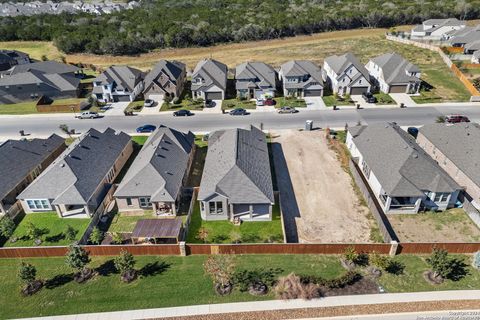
398	89
213	95
121	98
313	93
358	90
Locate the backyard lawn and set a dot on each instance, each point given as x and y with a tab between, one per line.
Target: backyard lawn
169	281
53	228
19	108
125	223
226	232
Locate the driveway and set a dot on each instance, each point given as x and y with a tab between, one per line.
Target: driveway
217	107
116	108
156	107
363	104
315	103
403	98
316	194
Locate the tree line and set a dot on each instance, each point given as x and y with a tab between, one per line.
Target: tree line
185	23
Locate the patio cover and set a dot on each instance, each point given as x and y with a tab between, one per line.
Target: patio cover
158	228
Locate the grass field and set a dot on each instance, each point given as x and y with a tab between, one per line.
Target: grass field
53	228
173	281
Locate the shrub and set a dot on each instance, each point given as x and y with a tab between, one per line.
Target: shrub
70	233
291	287
117	238
350	254
348	278
96	237
440	263
7	227
167	98
220	268
175	100
33	232
380	261
125	264
476	260
245	278
202	234
27	273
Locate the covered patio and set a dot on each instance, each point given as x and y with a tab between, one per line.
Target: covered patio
157	231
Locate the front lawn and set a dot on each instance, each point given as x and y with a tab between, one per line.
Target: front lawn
135	106
236	103
384	98
226	232
290	102
331	101
125	223
188	104
52	226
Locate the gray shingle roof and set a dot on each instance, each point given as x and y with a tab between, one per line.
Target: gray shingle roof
213	72
443	22
473	46
459	143
173	69
123	77
394	68
18	158
262	74
237	166
476	54
9	58
47	67
340	64
160	166
76	174
401	166
302	68
61	82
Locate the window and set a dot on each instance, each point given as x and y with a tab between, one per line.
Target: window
145	202
219	207
366	170
129	201
441	197
39	204
211	207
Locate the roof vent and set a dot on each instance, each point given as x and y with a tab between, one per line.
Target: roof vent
62	165
415	155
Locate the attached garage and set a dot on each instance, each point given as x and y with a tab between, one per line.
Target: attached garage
312	93
213	95
121	98
358	90
398	88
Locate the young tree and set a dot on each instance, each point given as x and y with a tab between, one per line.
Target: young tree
236	236
440	263
7	227
379	261
202	234
221	269
70	233
125	264
33	232
65	129
117	238
78	259
96	237
27	273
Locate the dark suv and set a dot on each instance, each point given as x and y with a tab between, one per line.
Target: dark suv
369	97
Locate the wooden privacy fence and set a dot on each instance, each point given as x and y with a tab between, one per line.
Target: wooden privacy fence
425	248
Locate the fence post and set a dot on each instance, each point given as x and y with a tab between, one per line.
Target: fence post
393	248
183	249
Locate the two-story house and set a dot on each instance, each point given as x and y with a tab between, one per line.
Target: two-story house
346	75
255	80
301	78
118	83
391	73
167	78
209	80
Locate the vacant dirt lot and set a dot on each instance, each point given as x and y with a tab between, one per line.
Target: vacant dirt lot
450	226
317	194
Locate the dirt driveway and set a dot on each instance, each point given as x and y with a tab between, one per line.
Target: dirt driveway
316	193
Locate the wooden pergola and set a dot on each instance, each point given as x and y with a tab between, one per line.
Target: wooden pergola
157	229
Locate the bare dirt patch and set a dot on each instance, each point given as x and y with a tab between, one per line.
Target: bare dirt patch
453	225
329	211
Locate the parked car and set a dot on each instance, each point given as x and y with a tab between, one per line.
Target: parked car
238	112
270	102
88	115
456	118
287	110
369	97
149	103
260	102
146	128
182	113
209	104
413	131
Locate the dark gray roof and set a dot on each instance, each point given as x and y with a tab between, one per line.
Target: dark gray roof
213	72
444	22
340	64
19	157
401	166
123	77
173	69
262	74
60	82
394	68
473	46
460	143
237	166
9	58
159	168
76	174
47	67
302	68
158	228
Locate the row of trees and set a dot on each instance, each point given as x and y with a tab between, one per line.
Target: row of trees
172	23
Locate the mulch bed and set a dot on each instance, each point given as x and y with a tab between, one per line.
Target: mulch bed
362	286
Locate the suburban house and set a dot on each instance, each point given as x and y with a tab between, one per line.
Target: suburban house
402	176
472	47
476	57
118	83
21	161
236	181
255	80
456	148
462	37
346	75
48	67
75	184
301	78
156	177
436	28
391	73
209	80
167	78
11	58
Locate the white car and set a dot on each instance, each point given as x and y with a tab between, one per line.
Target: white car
149	103
88	115
260	102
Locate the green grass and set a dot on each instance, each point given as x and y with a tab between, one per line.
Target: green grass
446	87
19	108
124	223
67	101
187	104
330	101
383	98
290	102
235	103
140	140
90	75
250	231
53	227
135	106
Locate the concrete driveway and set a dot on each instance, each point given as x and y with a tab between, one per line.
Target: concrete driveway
116	108
156	108
403	98
363	104
217	107
315	103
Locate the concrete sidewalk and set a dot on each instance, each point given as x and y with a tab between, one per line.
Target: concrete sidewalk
275	305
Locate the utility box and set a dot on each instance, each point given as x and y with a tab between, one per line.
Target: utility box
309	125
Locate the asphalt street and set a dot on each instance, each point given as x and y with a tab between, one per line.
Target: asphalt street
44	125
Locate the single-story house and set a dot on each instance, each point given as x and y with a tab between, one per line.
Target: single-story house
76	183
456	148
346	75
437	28
462	37
472	47
156	177
209	80
402	176
393	74
118	83
255	80
48	67
236	181
301	78
10	58
476	57
21	161
167	78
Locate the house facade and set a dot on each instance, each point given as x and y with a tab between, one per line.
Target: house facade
236	181
391	73
156	178
167	78
75	184
209	80
301	79
346	75
436	29
255	80
21	161
118	83
401	175
455	148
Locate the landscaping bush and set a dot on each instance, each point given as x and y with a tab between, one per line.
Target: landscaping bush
444	267
7	227
256	282
350	277
125	264
221	269
292	287
117	238
96	237
70	233
27	274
